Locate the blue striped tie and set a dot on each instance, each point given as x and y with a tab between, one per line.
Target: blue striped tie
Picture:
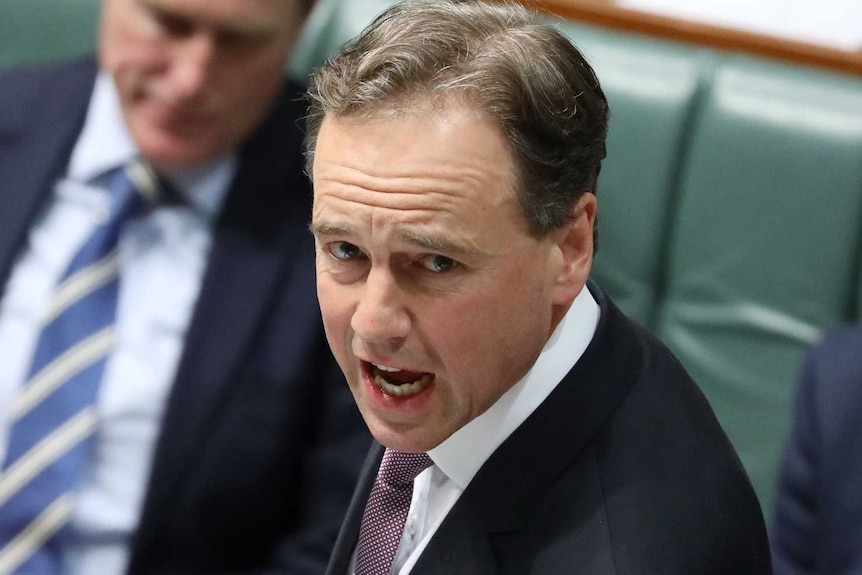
54	415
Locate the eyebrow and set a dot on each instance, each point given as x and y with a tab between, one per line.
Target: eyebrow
433	244
329	229
430	243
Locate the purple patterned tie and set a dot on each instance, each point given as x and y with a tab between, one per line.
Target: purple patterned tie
386	511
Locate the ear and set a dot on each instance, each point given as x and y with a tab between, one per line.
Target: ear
575	244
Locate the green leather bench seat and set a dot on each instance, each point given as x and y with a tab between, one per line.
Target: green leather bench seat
765	244
730	226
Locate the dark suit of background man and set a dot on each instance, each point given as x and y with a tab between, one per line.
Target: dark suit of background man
817	526
226	441
455	149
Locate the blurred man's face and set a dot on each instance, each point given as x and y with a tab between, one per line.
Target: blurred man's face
195	77
435	297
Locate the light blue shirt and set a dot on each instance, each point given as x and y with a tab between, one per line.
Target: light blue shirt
163	257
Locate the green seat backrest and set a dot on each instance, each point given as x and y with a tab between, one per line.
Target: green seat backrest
40	30
652	89
33	31
765	241
731	218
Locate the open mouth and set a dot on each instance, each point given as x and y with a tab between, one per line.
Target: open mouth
398	382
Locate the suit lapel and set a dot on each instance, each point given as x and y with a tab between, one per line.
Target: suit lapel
236	291
261	233
348	535
461	546
35	144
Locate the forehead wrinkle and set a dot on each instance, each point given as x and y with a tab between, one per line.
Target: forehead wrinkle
426	177
329	228
392	199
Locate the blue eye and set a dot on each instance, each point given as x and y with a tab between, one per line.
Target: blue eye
438	264
344	251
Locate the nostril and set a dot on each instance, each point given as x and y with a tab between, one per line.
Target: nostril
380	315
380	324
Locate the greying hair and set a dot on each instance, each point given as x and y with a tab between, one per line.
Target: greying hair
502	58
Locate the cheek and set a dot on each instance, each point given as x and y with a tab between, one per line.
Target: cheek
462	335
124	47
495	335
135	73
250	81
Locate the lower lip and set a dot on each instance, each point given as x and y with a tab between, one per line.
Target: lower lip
180	121
392	401
177	119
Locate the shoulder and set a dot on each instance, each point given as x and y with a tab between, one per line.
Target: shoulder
46	80
277	141
270	196
655	376
828	386
831	371
33	91
675	494
840	349
286	118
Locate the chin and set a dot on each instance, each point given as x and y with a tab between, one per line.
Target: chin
165	148
175	156
407	440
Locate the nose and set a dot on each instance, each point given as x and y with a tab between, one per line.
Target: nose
381	317
192	65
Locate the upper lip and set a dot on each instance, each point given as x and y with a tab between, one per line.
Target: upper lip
392	365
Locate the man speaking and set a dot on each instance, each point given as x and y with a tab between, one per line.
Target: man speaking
525	425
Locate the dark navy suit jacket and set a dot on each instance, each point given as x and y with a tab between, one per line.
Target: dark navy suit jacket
622	470
261	441
817	526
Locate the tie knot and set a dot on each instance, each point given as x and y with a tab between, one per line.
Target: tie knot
399	469
133	188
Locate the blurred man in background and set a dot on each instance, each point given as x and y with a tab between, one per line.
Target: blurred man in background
817	526
168	401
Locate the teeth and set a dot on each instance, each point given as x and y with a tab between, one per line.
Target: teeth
385	368
405	389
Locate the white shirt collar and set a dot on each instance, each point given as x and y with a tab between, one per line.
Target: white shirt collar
105	144
465	451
